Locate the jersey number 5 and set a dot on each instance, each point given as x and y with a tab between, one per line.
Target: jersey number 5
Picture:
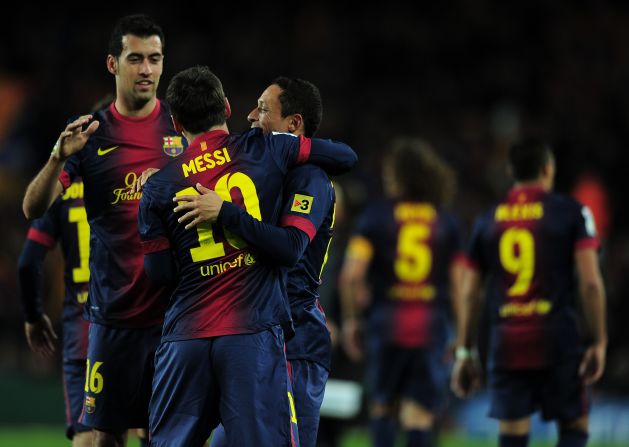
208	247
414	258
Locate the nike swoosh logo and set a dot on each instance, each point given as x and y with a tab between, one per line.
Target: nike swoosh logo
106	151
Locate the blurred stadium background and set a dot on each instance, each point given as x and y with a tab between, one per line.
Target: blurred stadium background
468	76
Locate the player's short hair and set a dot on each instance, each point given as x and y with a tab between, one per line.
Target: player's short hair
139	25
420	173
197	99
528	157
303	97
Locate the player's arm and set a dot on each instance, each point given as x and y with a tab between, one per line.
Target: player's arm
160	267
353	292
46	187
38	329
466	373
159	263
593	302
284	245
331	156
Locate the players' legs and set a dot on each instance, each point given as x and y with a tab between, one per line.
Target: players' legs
514	396
417	421
383	424
573	433
308	381
567	400
73	390
82	439
514	432
118	381
257	406
424	388
184	403
109	439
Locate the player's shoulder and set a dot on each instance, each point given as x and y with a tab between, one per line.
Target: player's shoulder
309	173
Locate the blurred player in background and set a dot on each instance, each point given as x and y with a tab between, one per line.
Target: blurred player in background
404	251
308	205
65	222
528	247
125	308
223	337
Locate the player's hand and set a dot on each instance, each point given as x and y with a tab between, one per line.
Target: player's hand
73	138
141	181
40	336
351	339
466	377
593	363
198	208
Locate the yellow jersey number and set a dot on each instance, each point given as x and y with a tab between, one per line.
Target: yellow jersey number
78	216
414	258
520	262
93	379
208	247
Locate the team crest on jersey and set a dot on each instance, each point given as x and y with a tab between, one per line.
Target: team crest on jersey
302	204
173	145
90	404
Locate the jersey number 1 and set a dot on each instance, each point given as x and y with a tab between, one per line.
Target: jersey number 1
208	247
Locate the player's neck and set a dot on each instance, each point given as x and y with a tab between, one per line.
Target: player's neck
539	183
128	110
193	136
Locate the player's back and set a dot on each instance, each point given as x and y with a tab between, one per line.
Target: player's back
222	288
115	155
526	245
412	246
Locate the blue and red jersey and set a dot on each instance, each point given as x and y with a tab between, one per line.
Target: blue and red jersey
411	247
222	288
115	155
66	222
309	204
526	247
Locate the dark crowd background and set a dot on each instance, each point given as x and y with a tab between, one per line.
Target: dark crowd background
469	77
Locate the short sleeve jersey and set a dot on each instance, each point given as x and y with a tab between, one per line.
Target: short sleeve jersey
115	155
412	246
525	247
222	288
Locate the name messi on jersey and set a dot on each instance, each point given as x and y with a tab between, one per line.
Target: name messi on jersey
519	211
209	160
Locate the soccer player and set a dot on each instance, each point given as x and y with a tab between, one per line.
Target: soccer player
405	250
222	353
308	205
528	247
65	222
125	308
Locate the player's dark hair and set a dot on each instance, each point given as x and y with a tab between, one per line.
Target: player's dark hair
303	97
139	25
196	99
528	157
420	173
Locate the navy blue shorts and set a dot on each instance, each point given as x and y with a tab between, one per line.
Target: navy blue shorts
73	394
417	374
558	392
240	381
118	377
308	382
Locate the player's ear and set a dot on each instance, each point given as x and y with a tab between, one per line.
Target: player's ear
228	109
296	123
177	125
112	64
